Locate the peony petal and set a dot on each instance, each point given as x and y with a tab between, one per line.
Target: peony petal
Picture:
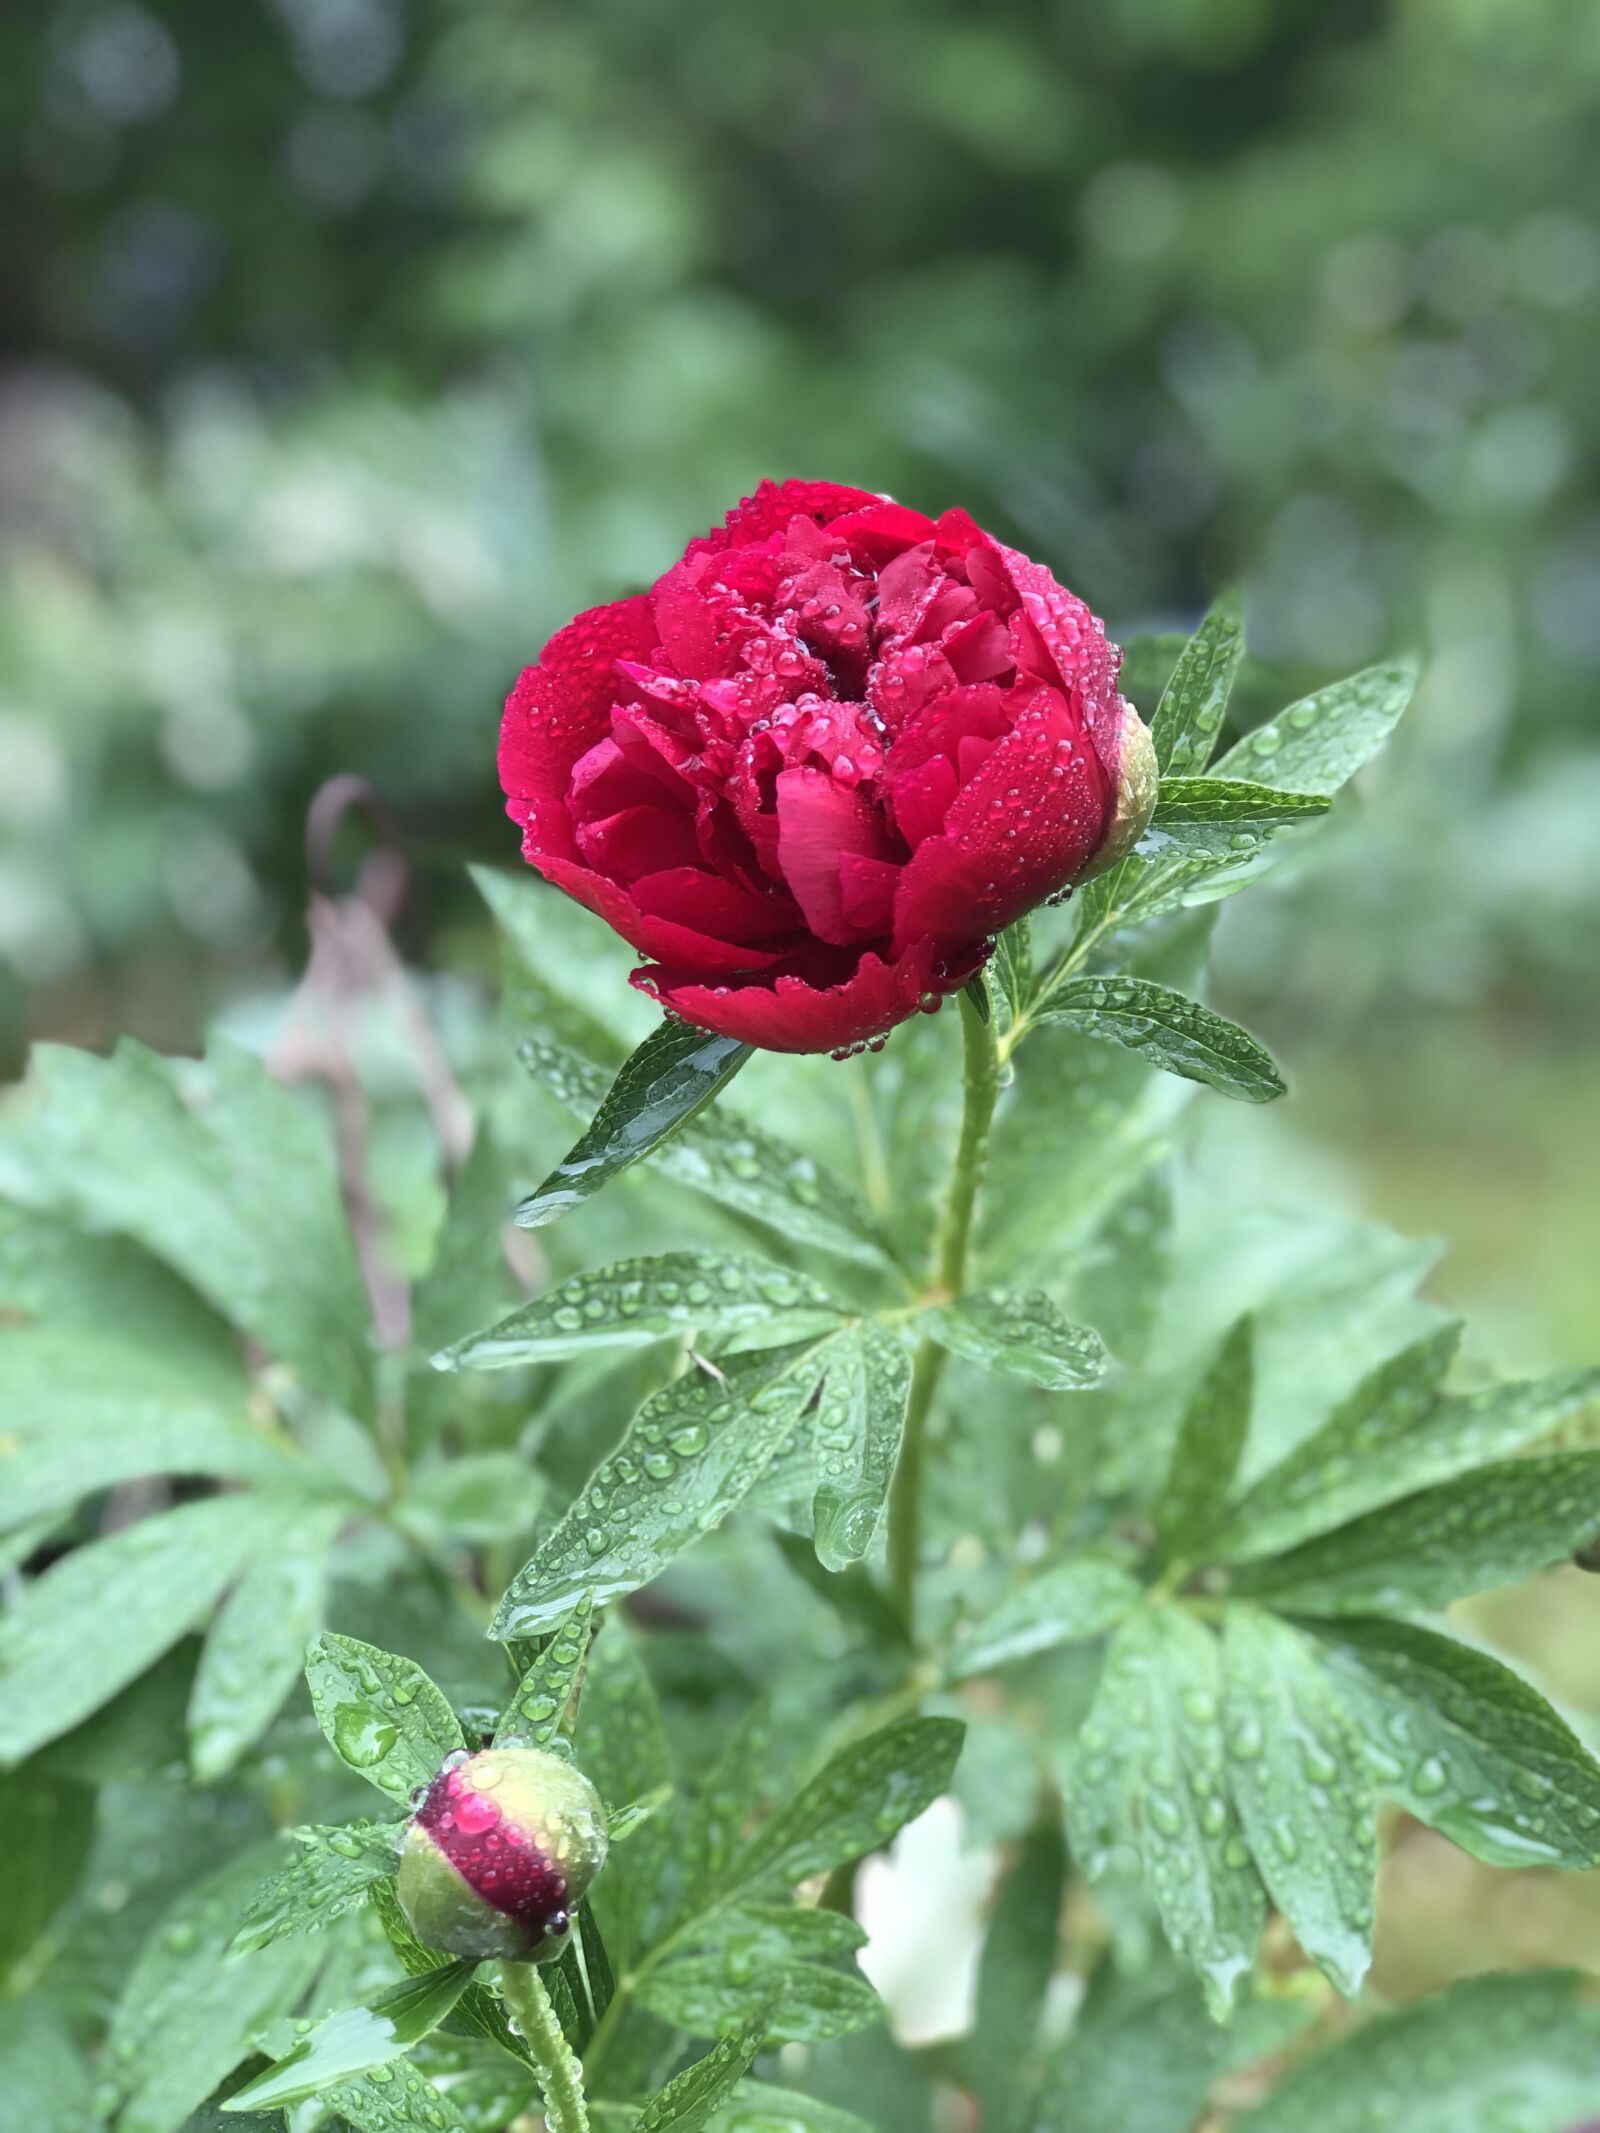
775	503
692	897
684	946
922	799
867	889
1076	645
819	821
786	1014
637	841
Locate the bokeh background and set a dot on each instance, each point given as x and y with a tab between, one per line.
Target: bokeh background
347	346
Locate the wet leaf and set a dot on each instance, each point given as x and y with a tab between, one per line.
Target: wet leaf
1211	1439
787	1957
1196	803
1320	742
1169	1031
710	1294
1022	1332
1465	1745
381	1714
1194	702
688	2100
1297	1771
860	1418
1014	1974
395	2100
1061	1604
255	1648
357	2039
332	1876
544	1694
692	1452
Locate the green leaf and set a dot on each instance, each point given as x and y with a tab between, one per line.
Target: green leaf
1062	1604
558	949
468	1273
82	1416
404	2103
1211	1439
189	2011
1490	1527
545	1694
623	1748
332	1876
1320	742
255	1648
756	2108
855	1804
238	1192
1195	700
1465	1745
860	1418
381	1714
676	1072
741	1168
98	1617
1490	2055
1392	1436
1149	1771
1297	1768
1170	1031
692	1452
1011	967
1196	803
1014	1974
357	2039
1019	1331
781	1957
49	1826
476	1497
709	1294
688	2100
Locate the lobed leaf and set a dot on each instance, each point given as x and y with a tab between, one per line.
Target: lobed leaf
380	1713
692	1452
1019	1331
639	1301
1170	1031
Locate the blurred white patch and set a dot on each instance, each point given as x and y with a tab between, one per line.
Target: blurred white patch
921	1906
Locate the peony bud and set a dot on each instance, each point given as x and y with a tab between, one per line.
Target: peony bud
503	1845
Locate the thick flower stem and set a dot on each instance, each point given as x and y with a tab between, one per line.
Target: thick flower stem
560	2076
982	1087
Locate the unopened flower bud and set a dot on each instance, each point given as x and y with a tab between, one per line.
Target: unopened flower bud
501	1849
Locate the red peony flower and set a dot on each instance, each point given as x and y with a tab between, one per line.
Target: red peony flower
823	761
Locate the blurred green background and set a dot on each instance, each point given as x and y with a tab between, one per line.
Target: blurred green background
347	346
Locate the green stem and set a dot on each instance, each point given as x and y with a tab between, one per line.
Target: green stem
560	2076
982	1083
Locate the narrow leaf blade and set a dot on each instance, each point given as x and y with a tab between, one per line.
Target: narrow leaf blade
1170	1031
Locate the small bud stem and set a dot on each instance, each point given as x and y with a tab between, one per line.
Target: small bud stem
982	1085
560	2075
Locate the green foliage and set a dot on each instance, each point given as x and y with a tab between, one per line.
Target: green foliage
1105	1507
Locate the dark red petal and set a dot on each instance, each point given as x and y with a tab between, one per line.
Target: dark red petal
1027	824
775	503
818	822
867	889
788	1015
661	937
1076	643
692	897
923	797
637	840
560	708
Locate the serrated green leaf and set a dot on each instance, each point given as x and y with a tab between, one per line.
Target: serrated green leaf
333	1874
189	2011
743	1169
255	1648
98	1617
854	1805
405	2103
1149	1771
692	1452
638	1301
1195	700
1394	1435
237	1192
860	1418
49	1826
381	1714
1490	2055
357	2039
1196	803
1297	1770
1014	1974
544	1694
1211	1438
1490	1527
676	1072
688	2100
1168	1030
1465	1745
1019	1331
1320	742
1062	1604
